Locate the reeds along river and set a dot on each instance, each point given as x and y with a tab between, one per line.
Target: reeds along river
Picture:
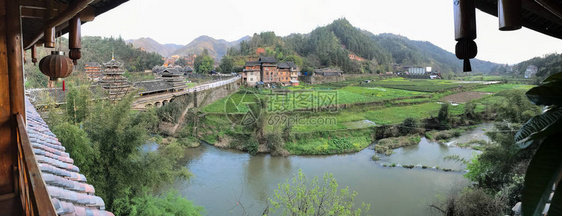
226	180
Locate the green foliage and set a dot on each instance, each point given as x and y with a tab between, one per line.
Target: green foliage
98	49
302	196
539	127
172	111
78	103
276	143
409	125
203	63
472	201
543	131
148	119
227	64
443	116
387	145
107	150
252	145
515	107
78	145
167	205
494	166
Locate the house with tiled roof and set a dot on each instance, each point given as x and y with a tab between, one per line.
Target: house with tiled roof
269	70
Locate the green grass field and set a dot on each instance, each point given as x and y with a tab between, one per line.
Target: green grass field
421	85
501	87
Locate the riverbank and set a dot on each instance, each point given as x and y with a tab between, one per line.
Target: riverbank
361	113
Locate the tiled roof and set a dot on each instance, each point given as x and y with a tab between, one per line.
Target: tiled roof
69	192
171	72
153	86
252	63
92	64
268	60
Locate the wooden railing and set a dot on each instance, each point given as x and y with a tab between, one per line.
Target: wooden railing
30	185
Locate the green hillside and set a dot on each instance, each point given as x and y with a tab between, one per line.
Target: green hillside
331	45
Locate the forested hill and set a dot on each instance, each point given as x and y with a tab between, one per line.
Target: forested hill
410	52
150	45
547	65
332	45
98	49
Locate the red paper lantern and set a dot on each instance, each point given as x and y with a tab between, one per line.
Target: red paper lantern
56	65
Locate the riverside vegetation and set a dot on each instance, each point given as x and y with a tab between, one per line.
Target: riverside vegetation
365	112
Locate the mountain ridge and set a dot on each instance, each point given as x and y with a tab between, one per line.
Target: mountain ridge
216	47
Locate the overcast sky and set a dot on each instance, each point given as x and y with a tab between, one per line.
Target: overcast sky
180	21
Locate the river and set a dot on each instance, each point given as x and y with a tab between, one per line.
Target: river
226	180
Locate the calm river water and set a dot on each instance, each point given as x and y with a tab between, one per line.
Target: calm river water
223	178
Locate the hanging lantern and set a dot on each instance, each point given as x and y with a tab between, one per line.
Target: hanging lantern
50	38
465	31
56	65
34	54
509	14
74	39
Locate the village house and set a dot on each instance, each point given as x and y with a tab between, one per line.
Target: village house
93	70
531	71
328	72
268	70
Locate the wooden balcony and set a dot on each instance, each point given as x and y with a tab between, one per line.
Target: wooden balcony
30	197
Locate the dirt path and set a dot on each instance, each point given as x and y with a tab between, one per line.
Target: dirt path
463	97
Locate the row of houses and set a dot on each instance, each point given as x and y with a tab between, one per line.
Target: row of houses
267	70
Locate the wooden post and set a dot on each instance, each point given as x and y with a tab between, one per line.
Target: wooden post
7	140
15	57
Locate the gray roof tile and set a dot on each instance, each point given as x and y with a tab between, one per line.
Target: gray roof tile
69	192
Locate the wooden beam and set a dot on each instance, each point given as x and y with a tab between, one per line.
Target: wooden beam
32	13
61	18
15	57
7	149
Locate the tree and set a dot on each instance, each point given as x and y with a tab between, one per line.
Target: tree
227	64
295	59
302	196
204	63
443	116
78	103
181	62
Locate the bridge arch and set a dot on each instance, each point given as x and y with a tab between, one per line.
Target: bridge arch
164	102
148	106
158	104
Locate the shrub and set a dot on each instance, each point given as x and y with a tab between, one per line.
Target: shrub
252	145
275	143
408	126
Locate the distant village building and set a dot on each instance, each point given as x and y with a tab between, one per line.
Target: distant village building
174	78
171	81
251	73
328	72
531	71
416	70
93	71
268	70
113	80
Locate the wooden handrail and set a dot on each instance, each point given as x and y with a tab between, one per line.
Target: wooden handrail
32	189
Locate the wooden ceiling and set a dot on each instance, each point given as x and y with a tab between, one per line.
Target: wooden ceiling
37	14
543	16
